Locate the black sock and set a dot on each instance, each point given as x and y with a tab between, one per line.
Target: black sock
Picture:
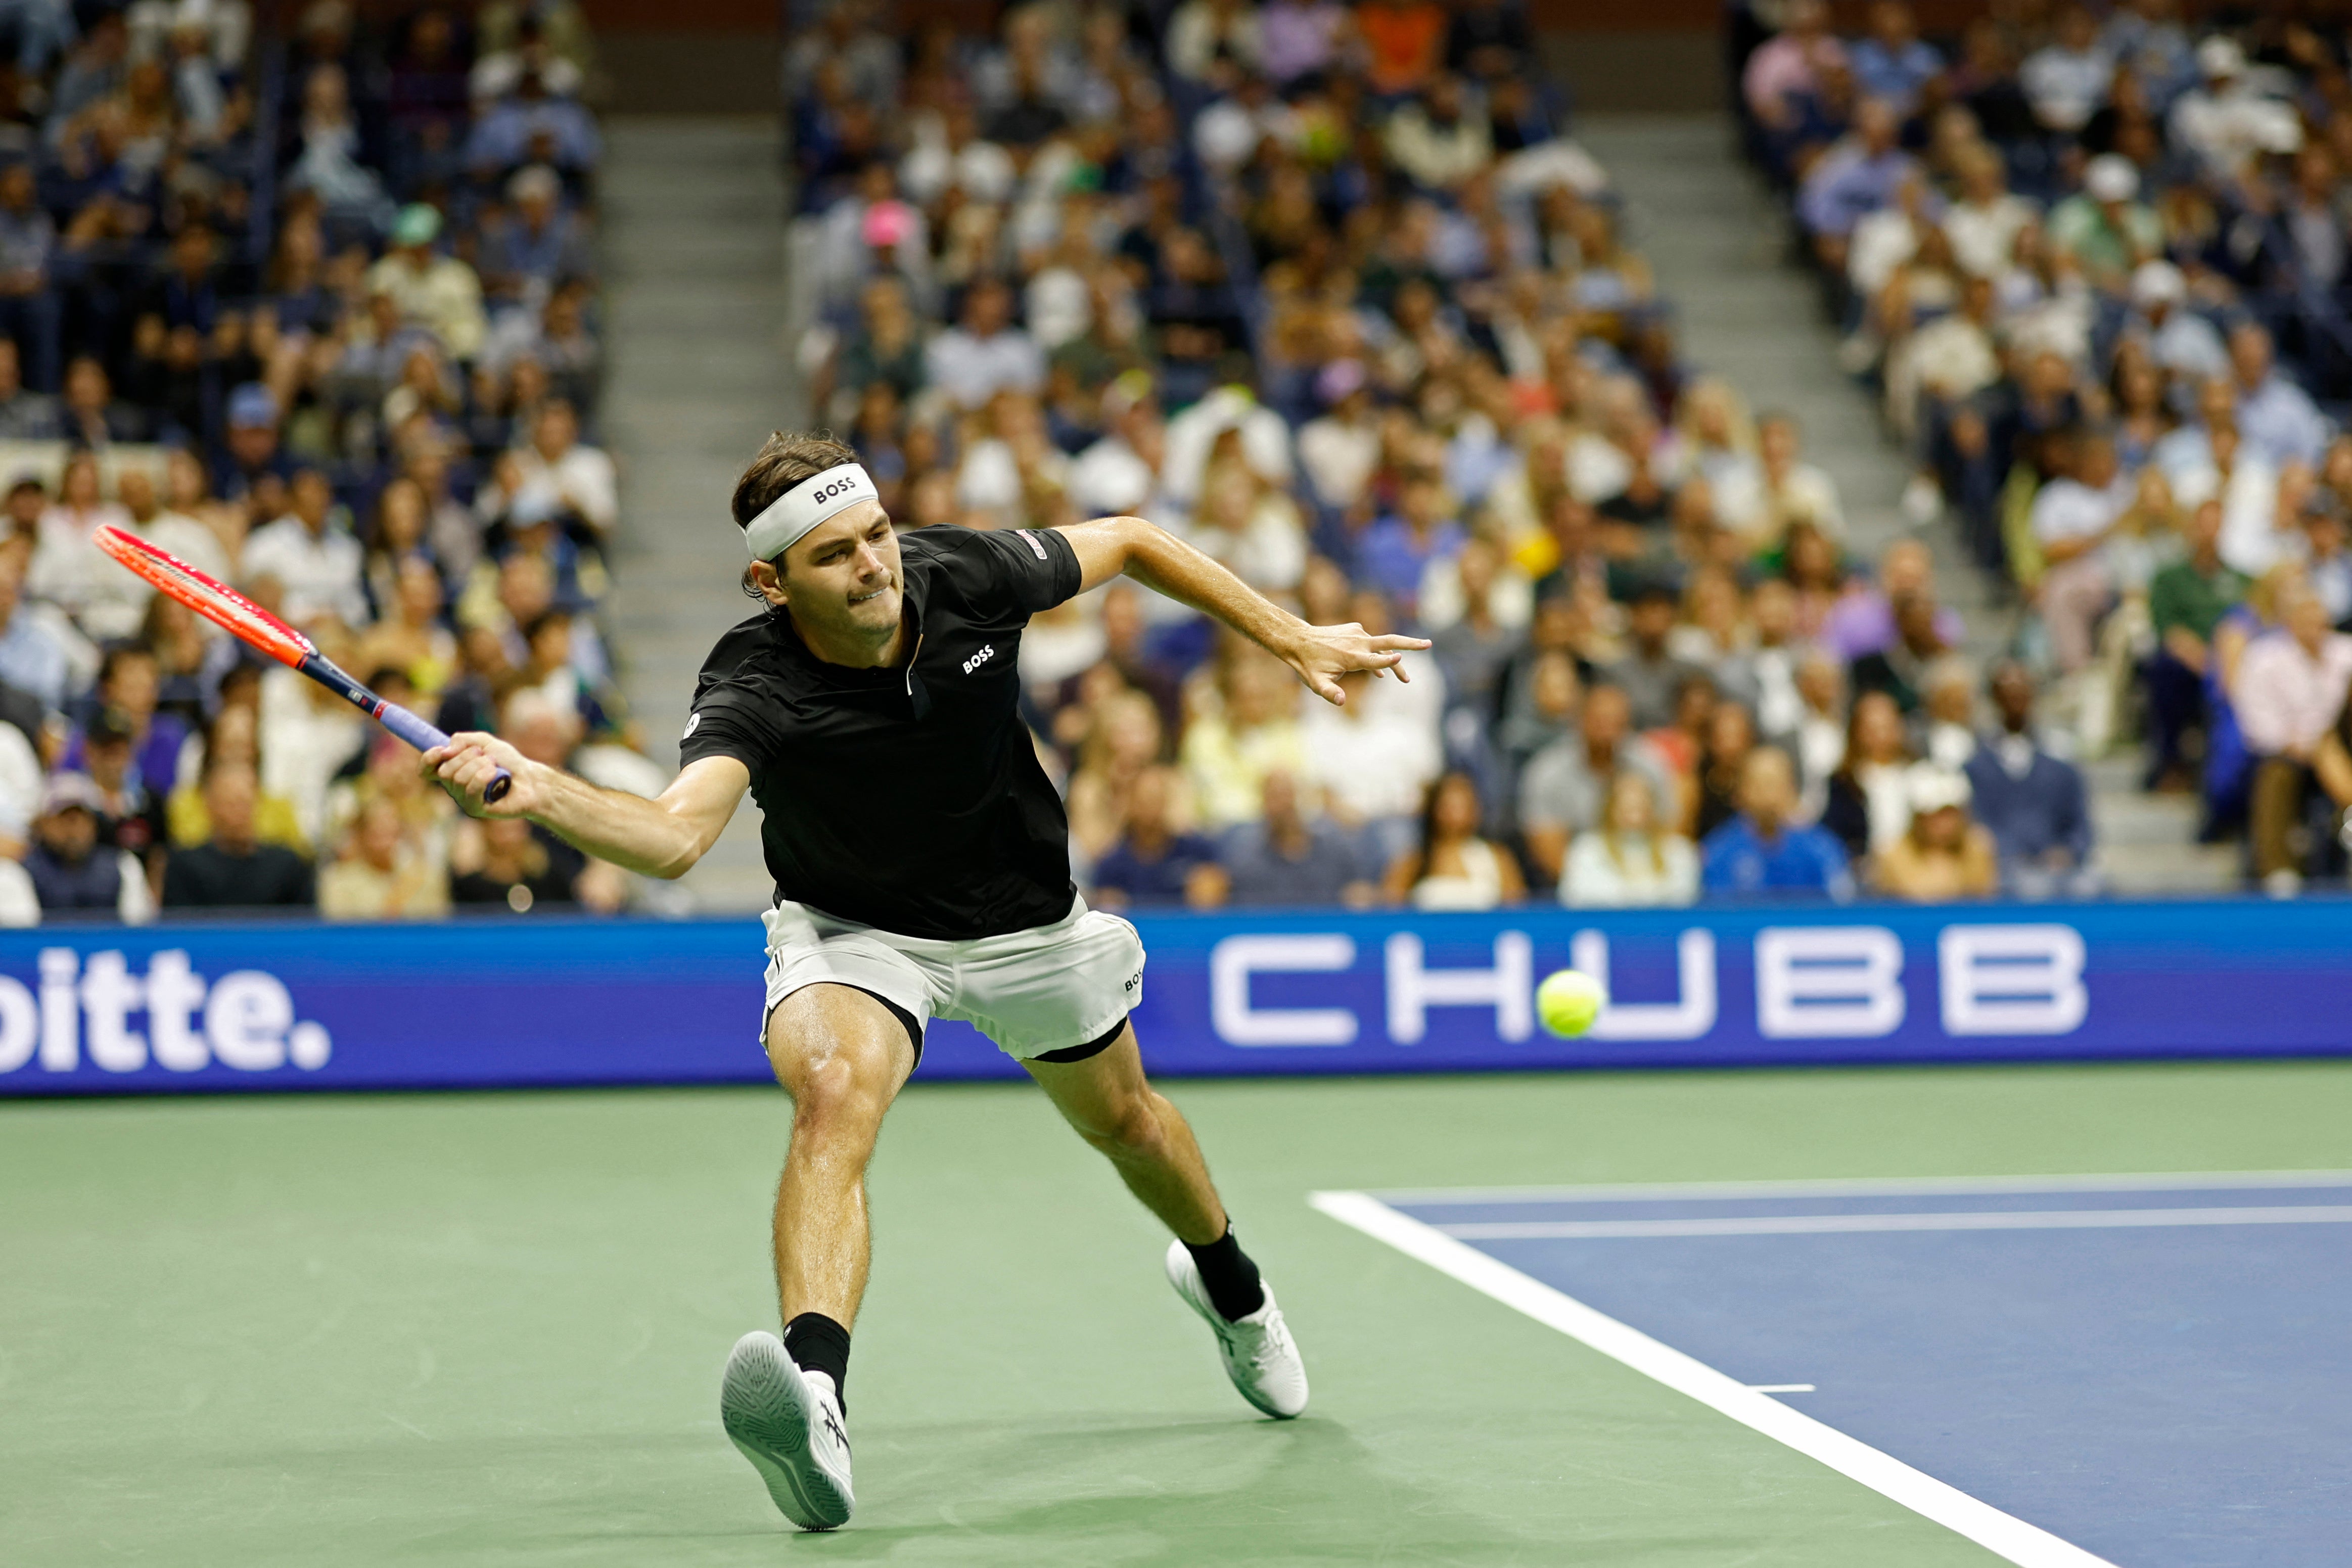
818	1343
1230	1276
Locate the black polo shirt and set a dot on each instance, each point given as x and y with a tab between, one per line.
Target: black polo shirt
908	798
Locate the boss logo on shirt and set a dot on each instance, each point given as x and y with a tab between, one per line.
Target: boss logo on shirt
1030	539
976	660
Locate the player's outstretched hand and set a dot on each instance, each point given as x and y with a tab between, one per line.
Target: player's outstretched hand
1322	653
465	766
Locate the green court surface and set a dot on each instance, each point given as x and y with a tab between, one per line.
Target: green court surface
489	1330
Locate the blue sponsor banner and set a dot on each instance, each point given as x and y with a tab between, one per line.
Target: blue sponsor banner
96	1010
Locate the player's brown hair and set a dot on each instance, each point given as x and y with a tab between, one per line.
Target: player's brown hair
784	460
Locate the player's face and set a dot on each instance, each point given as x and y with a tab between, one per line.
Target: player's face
844	577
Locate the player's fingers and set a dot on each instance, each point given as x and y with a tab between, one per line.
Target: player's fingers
1391	640
1327	688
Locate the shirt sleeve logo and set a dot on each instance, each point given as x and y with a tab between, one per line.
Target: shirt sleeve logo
1036	545
693	722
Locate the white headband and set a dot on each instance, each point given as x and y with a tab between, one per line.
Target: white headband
789	518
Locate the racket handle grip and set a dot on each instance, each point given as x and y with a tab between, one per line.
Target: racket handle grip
424	737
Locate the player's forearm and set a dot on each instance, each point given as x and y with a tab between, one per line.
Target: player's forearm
632	832
1160	561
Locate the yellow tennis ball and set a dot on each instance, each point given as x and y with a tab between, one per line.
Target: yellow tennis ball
1567	1001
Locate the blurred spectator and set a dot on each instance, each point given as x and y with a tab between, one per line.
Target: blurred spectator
233	739
2289	686
1631	858
1153	863
2068	76
1372	762
1227	755
504	862
67	569
1451	866
29	306
1892	63
2071	518
1566	784
2034	803
1855	177
2230	121
1764	850
579	479
1900	669
439	293
1869	801
2278	419
73	870
1942	856
1786	73
2185	602
24	416
30	658
985	354
311	555
1650	678
383	873
232	869
1284	859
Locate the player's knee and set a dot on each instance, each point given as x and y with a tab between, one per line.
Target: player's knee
1130	1128
836	1095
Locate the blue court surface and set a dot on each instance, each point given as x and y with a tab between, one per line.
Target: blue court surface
2155	1372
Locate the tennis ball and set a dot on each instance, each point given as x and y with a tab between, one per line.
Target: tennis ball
1567	1001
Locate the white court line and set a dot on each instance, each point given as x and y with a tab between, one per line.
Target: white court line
1832	1224
1781	1388
1602	1192
2012	1539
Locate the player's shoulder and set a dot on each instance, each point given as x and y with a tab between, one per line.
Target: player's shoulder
950	544
745	651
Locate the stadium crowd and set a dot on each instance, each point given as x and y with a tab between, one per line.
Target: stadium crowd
1332	291
2095	261
316	313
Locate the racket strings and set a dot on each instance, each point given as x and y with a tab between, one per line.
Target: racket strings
217	602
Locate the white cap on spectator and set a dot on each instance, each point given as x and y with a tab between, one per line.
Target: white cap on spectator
2157	283
534	180
2111	178
1936	789
2219	57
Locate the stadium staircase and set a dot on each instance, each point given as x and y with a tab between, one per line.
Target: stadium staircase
1718	242
699	372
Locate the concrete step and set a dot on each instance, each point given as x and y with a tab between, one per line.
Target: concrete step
694	240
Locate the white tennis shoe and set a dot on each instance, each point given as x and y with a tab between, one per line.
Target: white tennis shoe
1258	1352
788	1422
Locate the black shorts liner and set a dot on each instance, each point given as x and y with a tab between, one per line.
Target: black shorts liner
1068	1054
1080	1053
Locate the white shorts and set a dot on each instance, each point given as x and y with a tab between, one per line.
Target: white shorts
1047	989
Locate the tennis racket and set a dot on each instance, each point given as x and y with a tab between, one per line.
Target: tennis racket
257	629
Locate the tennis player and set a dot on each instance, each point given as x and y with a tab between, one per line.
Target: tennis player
922	870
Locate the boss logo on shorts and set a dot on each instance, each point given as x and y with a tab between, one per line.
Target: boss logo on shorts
982	657
1133	981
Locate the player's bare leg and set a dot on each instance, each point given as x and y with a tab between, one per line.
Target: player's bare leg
1110	1104
843	1058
